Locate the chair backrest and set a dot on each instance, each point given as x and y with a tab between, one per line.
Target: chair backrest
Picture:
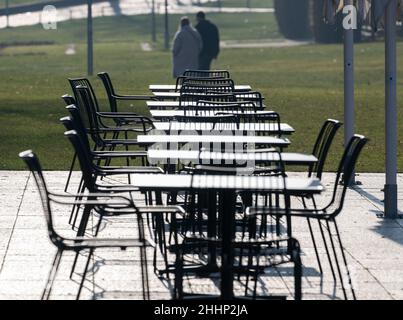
73	122
269	119
254	96
206	89
88	113
181	79
110	92
192	98
32	162
345	173
207	108
207	73
85	159
220	122
68	99
322	145
75	82
210	82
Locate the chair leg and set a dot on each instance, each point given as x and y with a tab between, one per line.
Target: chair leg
70	172
344	259
315	246
76	208
52	275
336	260
73	267
297	275
84	274
325	244
84	221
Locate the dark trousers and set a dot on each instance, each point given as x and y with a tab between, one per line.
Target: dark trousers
205	62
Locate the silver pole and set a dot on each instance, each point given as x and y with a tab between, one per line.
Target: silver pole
7	15
390	111
166	34
90	60
153	28
349	114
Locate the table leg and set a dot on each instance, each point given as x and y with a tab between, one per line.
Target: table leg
228	198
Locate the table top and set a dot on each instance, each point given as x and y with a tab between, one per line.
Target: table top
158	114
194	156
213	138
209	126
170	182
173	104
175	95
172	87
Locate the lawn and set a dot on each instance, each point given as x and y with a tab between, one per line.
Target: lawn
304	84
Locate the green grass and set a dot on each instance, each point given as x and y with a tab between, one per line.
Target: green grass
239	3
304	84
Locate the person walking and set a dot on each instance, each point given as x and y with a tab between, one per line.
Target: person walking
187	45
211	41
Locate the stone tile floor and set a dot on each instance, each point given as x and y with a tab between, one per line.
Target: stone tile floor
373	245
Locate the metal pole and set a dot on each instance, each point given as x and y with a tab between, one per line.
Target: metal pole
166	34
153	29
7	15
390	111
90	59
349	114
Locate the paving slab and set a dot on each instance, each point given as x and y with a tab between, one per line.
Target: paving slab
374	249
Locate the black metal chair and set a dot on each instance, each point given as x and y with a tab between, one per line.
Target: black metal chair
329	213
119	118
68	99
207	89
207	73
181	79
91	172
192	98
103	203
114	97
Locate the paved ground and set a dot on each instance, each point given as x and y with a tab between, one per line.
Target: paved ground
374	250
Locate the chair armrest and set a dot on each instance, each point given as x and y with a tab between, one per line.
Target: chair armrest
101	199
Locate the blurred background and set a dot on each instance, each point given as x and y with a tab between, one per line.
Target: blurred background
282	48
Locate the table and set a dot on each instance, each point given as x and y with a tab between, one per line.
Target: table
209	126
290	158
212	138
163	105
228	186
175	95
172	87
170	114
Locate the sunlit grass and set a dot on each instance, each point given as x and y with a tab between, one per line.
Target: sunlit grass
304	84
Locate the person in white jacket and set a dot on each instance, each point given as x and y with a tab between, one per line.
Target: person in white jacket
187	45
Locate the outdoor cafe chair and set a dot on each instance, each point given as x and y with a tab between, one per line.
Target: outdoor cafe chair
209	82
329	213
113	97
68	99
92	171
207	73
119	118
254	96
97	130
103	203
181	79
191	98
197	88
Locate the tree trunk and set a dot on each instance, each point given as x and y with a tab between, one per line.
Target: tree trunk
293	18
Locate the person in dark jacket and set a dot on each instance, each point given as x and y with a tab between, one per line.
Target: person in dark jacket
211	41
